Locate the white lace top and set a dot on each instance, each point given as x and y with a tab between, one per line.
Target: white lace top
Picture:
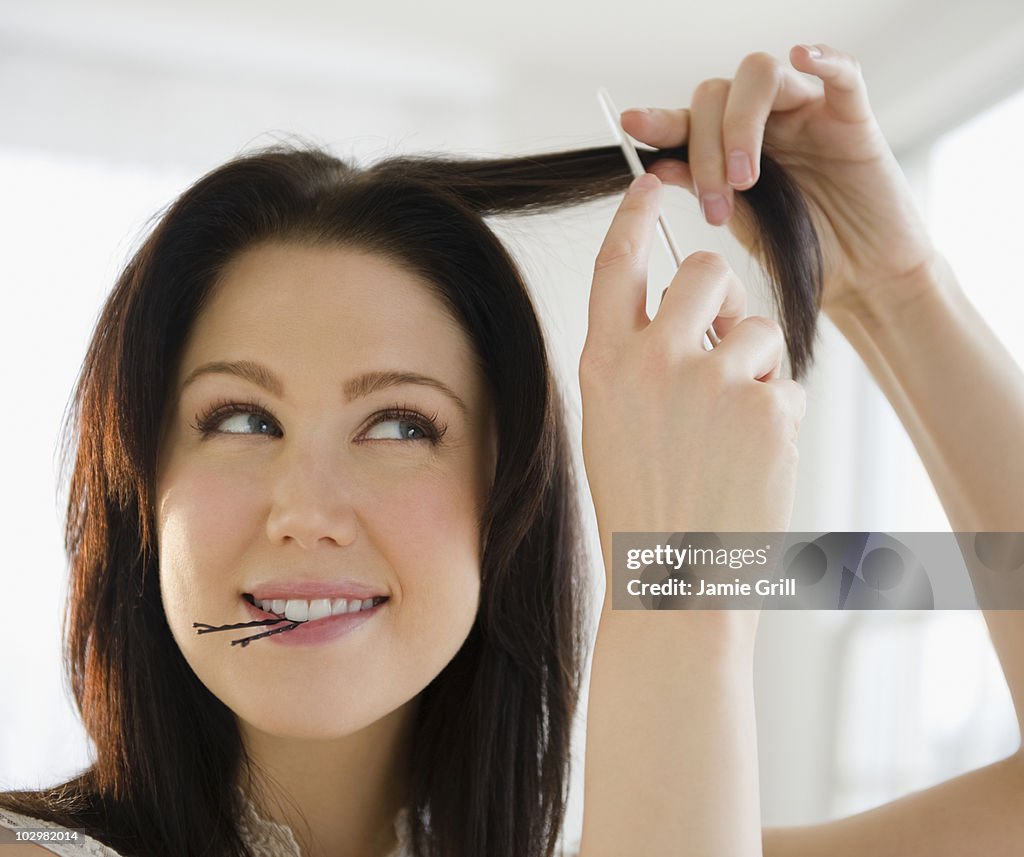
265	838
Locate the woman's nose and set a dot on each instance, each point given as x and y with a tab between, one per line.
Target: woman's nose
311	497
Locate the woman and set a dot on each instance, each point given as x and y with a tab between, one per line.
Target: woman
439	721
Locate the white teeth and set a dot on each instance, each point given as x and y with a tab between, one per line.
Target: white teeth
299	610
319	608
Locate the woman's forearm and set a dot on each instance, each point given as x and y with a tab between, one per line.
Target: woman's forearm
671	753
974	813
960	396
957	390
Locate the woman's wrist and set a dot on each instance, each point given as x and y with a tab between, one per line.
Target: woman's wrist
888	303
727	632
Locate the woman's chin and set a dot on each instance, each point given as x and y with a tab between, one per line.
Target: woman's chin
307	724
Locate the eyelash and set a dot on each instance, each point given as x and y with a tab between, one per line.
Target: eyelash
207	420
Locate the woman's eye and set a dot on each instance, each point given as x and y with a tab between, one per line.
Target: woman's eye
234	418
252	419
242	420
406	430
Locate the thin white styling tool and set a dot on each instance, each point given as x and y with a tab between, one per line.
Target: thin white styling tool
637	168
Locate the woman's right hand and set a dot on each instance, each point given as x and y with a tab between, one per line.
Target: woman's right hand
675	437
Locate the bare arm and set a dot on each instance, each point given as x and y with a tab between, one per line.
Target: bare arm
961	397
977	813
955	387
671	738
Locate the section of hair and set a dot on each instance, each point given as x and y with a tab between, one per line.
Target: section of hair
773	211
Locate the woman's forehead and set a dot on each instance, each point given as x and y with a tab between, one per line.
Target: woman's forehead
326	304
352	284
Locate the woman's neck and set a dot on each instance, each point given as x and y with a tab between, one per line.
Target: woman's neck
339	796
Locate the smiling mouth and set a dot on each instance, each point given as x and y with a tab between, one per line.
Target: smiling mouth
279	620
251	599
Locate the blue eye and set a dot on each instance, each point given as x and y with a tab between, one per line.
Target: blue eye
257	418
407	426
209	422
252	420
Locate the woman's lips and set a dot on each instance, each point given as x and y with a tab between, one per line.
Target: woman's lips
315	631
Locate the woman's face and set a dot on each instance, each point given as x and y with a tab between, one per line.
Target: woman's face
313	480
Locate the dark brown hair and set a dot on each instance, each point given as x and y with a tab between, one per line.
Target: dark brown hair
490	764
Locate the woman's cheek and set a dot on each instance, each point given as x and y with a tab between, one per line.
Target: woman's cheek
442	521
435	552
201	525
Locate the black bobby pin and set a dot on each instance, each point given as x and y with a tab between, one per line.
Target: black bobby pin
204	628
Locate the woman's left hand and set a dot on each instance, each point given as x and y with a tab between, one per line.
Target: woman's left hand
872	237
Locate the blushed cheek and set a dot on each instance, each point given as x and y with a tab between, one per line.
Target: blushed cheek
199	523
435	539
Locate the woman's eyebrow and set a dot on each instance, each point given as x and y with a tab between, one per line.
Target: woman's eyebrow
354	388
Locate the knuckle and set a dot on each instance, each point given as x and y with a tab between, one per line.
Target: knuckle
851	61
712	87
616	253
761	63
709	259
738	131
719	375
769	324
659	358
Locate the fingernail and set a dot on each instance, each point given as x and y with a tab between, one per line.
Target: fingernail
740	169
813	51
637	110
714	208
645	182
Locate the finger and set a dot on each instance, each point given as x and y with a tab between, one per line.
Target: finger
663	129
657	126
733	309
706	150
704	290
618	295
762	85
673	171
754	348
845	90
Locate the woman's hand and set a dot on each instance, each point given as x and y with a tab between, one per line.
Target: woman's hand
677	438
872	236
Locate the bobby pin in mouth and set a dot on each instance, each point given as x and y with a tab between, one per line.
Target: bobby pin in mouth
209	629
